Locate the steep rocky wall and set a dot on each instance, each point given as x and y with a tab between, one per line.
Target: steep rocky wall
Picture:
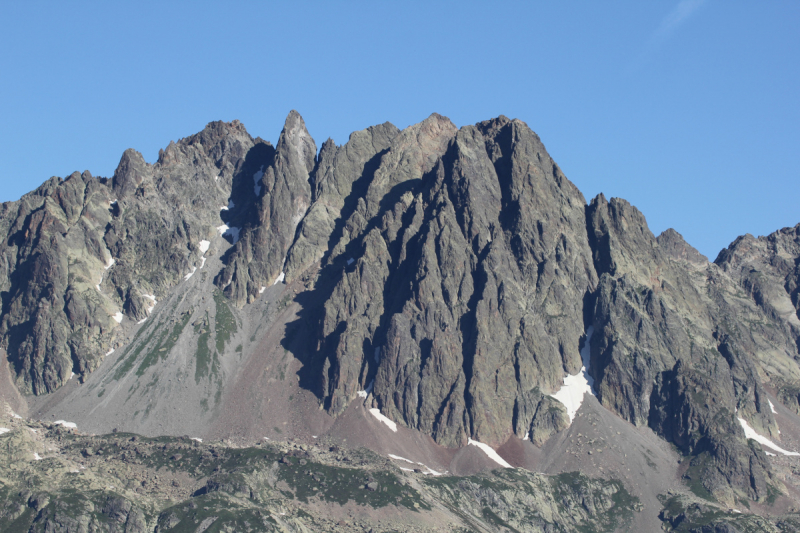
257	258
450	275
677	347
459	279
83	254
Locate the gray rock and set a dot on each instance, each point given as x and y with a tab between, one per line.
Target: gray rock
452	288
258	257
58	241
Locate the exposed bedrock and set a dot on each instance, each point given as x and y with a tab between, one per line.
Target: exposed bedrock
678	347
450	273
283	195
80	254
462	281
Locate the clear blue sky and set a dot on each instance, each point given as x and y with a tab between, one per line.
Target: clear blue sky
686	108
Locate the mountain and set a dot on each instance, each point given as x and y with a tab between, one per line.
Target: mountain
423	293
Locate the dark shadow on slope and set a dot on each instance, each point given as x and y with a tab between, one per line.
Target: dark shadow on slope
244	214
312	350
358	190
22	287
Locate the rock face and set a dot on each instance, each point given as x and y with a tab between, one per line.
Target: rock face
767	270
258	256
669	351
461	272
341	178
449	273
82	253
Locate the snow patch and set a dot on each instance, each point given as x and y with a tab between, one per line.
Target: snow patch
377	414
227	231
198	440
571	393
15	415
257	180
37	457
527	436
261	290
152	298
142	321
750	433
227	207
202	262
71	375
280	278
118	317
108	265
406	469
364	393
204	246
377	355
4	430
72	425
190	274
772	407
113	202
109	352
489	451
350	261
770	454
430	471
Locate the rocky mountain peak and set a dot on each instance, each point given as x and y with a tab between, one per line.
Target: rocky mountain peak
283	195
131	172
678	249
296	137
448	278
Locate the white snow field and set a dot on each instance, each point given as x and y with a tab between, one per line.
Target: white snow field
430	471
571	393
750	433
377	414
489	451
227	231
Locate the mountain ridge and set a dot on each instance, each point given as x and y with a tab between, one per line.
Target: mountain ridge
445	276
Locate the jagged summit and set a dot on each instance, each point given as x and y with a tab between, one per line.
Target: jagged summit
446	278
